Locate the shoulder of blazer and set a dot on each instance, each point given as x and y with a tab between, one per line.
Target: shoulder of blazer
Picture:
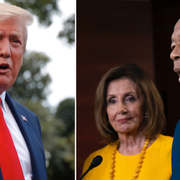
13	103
19	110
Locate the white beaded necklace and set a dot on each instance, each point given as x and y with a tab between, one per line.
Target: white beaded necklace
138	167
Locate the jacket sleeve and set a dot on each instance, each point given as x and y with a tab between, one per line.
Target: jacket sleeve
176	153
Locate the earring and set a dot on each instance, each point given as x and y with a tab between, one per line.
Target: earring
146	116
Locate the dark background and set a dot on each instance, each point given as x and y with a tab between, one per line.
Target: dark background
111	33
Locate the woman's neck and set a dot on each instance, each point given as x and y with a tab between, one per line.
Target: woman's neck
131	144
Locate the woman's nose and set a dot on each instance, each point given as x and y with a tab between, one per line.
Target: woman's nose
121	109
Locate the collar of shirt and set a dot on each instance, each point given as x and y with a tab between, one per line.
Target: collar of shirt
2	96
18	139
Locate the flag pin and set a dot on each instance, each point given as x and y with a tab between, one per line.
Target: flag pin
24	118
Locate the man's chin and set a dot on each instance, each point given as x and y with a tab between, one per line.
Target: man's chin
4	86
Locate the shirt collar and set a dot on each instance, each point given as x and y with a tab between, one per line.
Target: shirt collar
3	104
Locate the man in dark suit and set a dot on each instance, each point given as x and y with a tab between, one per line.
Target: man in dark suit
175	56
22	124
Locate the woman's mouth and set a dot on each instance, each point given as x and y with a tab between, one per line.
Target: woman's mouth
123	120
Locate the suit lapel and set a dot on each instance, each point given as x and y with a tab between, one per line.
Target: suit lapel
35	148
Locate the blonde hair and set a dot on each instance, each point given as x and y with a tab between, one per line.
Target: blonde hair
10	11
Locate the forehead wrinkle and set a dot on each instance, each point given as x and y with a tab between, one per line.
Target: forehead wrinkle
114	91
175	33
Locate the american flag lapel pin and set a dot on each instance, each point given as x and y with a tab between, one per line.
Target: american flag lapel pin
23	118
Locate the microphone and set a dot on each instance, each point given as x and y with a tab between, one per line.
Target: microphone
95	162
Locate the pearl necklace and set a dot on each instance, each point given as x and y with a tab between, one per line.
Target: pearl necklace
139	165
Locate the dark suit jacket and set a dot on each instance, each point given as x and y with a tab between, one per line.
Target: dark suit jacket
31	132
176	154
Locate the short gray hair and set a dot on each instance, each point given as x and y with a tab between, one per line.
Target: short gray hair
10	11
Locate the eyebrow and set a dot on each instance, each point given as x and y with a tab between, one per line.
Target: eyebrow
172	40
12	33
16	34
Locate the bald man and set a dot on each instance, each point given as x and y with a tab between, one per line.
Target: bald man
175	56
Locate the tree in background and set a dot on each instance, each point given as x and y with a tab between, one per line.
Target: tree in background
44	10
62	161
65	112
68	31
31	90
31	83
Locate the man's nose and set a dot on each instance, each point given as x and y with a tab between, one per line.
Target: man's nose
175	54
5	48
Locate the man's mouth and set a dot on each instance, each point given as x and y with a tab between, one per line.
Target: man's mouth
4	66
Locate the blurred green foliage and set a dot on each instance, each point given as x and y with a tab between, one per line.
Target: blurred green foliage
31	90
31	83
44	10
63	163
68	31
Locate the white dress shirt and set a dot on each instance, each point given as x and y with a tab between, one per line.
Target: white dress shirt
18	139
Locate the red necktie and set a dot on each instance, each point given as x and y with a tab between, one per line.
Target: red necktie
9	161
